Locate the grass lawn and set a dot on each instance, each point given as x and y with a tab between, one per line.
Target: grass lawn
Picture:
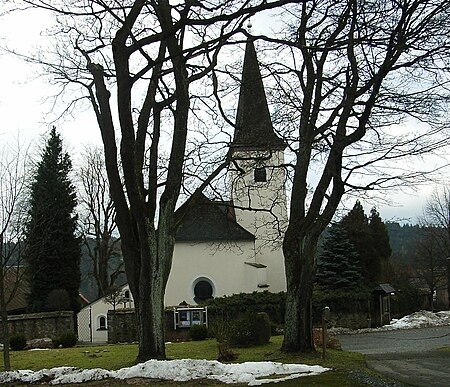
347	367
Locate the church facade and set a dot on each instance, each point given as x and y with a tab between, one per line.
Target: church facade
224	248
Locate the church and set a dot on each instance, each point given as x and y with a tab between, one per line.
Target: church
224	248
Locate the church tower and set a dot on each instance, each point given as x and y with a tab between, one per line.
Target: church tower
258	175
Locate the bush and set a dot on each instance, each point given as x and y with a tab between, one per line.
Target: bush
198	332
251	329
17	342
67	340
332	342
222	331
238	304
340	302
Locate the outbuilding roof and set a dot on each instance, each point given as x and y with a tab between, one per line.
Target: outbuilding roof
384	288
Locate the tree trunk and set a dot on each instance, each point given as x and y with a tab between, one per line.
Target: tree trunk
156	259
4	317
103	278
150	317
300	265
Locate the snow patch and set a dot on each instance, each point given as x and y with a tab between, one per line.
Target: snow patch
251	373
420	319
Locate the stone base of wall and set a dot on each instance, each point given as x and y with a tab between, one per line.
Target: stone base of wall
122	327
39	325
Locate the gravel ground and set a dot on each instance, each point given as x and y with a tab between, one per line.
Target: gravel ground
371	380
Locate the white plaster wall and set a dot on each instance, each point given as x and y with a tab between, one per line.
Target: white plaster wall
97	309
268	220
222	264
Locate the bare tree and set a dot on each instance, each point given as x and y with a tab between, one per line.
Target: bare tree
437	218
12	219
99	221
352	73
147	54
114	296
429	263
437	214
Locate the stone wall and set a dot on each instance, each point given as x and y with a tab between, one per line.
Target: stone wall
39	325
122	327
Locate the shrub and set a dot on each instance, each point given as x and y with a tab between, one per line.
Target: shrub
198	332
17	342
66	340
230	306
332	342
221	330
251	329
339	301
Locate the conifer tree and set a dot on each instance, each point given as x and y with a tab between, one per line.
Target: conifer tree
338	266
356	225
371	241
381	245
52	248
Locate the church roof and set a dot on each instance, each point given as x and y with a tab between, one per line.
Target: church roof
254	128
209	221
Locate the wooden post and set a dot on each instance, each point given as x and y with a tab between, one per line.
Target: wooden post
381	310
325	318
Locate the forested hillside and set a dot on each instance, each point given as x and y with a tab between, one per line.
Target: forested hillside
403	240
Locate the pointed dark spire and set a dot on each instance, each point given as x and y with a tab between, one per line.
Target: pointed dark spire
254	128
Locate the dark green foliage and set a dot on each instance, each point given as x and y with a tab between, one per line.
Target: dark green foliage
356	225
52	249
370	238
251	329
271	303
58	300
402	240
198	332
352	301
379	234
17	342
338	266
407	300
379	265
67	339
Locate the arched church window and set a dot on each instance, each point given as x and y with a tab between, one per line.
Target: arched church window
260	174
203	290
101	323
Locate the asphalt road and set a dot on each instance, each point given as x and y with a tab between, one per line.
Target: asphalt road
410	356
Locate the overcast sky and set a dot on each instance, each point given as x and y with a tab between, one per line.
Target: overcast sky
24	110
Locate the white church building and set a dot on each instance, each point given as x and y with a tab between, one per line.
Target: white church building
224	248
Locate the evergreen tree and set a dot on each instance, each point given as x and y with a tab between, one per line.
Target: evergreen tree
371	241
356	225
338	266
52	249
381	246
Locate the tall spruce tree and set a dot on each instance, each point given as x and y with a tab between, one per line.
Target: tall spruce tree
338	266
371	240
381	246
356	225
52	248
